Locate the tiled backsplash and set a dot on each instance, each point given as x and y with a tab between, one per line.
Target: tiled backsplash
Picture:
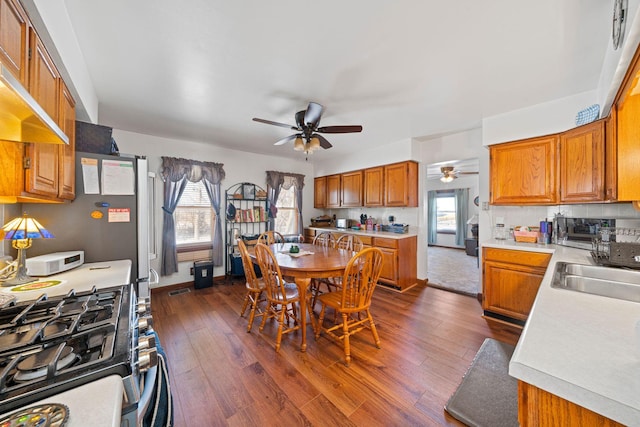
379	215
532	215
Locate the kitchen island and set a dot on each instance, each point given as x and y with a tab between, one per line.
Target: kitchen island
400	265
580	347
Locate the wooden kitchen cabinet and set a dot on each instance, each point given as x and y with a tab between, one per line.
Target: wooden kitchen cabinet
582	168
14	39
401	184
39	172
351	189
333	191
524	172
320	192
627	156
374	187
539	408
511	279
42	172
67	153
399	267
611	157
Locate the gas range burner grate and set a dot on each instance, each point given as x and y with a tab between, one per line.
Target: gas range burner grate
45	363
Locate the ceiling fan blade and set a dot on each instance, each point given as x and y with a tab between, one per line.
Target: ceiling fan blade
466	173
269	122
300	119
287	139
313	114
323	141
340	129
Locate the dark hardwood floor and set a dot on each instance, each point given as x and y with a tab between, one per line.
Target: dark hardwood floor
223	376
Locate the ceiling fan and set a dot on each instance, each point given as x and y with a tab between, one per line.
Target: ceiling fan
449	174
307	137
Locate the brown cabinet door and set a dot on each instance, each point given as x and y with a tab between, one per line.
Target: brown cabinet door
374	186
389	273
523	172
628	135
401	184
582	164
44	84
14	39
611	157
510	289
352	189
67	122
320	192
333	191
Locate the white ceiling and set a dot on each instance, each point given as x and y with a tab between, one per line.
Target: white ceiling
201	69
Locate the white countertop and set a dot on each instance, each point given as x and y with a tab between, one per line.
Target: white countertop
385	234
98	274
98	403
584	348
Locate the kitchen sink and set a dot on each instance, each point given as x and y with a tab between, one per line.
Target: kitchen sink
604	281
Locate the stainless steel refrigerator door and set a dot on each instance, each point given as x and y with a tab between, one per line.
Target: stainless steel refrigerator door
142	201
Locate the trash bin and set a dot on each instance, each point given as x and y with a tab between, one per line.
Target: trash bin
203	272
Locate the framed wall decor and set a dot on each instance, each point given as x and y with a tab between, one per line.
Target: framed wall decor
248	191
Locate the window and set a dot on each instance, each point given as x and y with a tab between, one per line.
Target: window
446	213
194	219
287	221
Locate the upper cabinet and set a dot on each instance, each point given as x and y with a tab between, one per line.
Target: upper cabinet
524	172
565	168
627	154
374	187
35	172
320	192
582	154
351	189
390	185
333	191
401	184
14	39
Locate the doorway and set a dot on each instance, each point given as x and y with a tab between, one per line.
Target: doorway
452	204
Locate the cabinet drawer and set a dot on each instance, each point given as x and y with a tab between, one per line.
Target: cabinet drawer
533	259
384	242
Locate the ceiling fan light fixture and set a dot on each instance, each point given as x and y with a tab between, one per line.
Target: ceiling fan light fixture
446	178
314	144
299	144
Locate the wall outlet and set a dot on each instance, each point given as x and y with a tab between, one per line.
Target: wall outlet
191	272
485	206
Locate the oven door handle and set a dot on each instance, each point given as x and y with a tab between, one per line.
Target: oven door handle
149	381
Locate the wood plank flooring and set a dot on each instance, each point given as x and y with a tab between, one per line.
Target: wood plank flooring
223	376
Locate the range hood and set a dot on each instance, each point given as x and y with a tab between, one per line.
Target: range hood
21	118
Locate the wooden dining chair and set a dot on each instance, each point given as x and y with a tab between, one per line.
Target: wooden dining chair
282	297
350	242
270	237
255	287
325	239
352	303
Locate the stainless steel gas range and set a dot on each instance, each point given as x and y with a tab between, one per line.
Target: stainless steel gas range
51	346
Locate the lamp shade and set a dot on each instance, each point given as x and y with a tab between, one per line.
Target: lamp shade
446	178
25	227
298	144
314	144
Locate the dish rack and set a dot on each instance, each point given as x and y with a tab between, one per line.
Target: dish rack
617	247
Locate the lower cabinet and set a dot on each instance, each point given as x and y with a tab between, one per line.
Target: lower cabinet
399	268
511	279
537	407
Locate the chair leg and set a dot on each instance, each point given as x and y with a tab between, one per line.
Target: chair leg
345	338
374	331
245	303
267	313
280	327
255	299
320	320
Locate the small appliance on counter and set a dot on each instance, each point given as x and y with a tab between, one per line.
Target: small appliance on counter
46	265
321	221
342	223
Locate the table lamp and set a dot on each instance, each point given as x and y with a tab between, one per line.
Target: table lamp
20	231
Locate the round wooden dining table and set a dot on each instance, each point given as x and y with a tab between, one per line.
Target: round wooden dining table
312	262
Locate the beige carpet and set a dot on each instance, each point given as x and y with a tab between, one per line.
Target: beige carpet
452	269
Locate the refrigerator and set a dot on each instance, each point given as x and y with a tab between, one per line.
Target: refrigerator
114	224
